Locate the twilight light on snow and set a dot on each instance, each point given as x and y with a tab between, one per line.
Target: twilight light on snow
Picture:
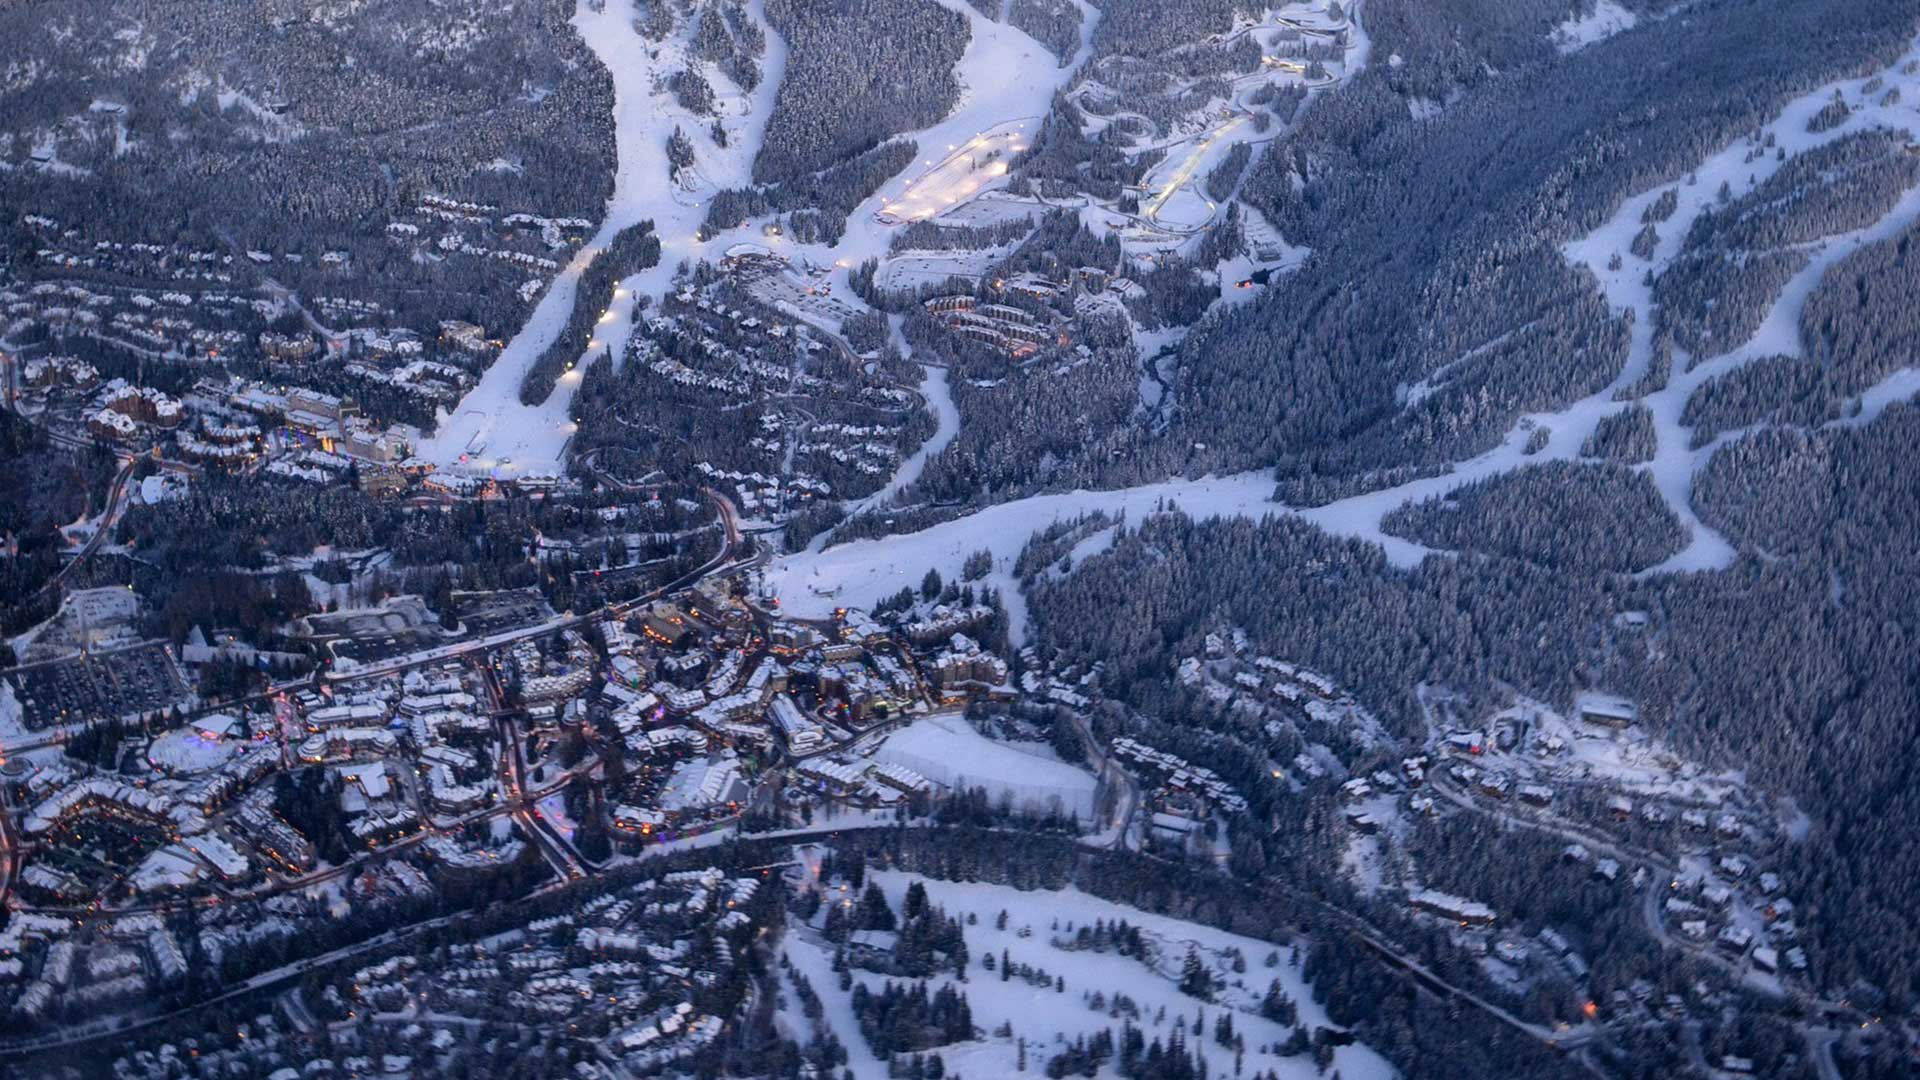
812	584
1262	793
1046	1017
934	391
1674	464
861	573
947	749
1005	75
490	429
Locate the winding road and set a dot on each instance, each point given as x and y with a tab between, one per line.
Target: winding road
108	518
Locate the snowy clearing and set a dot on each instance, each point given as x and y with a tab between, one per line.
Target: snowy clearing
1605	20
947	750
1049	1018
187	752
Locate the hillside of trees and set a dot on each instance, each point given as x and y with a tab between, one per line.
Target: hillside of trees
1560	514
835	101
309	159
1626	436
1861	324
1438	238
816	204
42	487
633	249
1791	664
1739	254
1053	23
1771	389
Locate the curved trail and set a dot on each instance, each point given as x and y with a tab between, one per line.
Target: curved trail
865	571
491	430
1675	463
946	415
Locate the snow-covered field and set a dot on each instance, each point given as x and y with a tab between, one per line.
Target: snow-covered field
913	269
1605	20
951	175
992	208
947	750
185	752
554	809
13	716
1048	1018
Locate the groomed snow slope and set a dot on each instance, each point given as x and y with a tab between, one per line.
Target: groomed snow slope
491	430
862	573
812	584
1005	75
1674	465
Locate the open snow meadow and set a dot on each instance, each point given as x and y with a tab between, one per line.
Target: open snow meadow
1051	1010
947	750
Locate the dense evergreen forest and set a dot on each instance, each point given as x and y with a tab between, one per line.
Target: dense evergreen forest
241	131
1440	237
1792	664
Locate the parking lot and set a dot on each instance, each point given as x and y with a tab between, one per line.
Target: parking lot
103	685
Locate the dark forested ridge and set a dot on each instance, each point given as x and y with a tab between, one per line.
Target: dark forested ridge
1435	238
1794	663
239	130
1738	255
1438	249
